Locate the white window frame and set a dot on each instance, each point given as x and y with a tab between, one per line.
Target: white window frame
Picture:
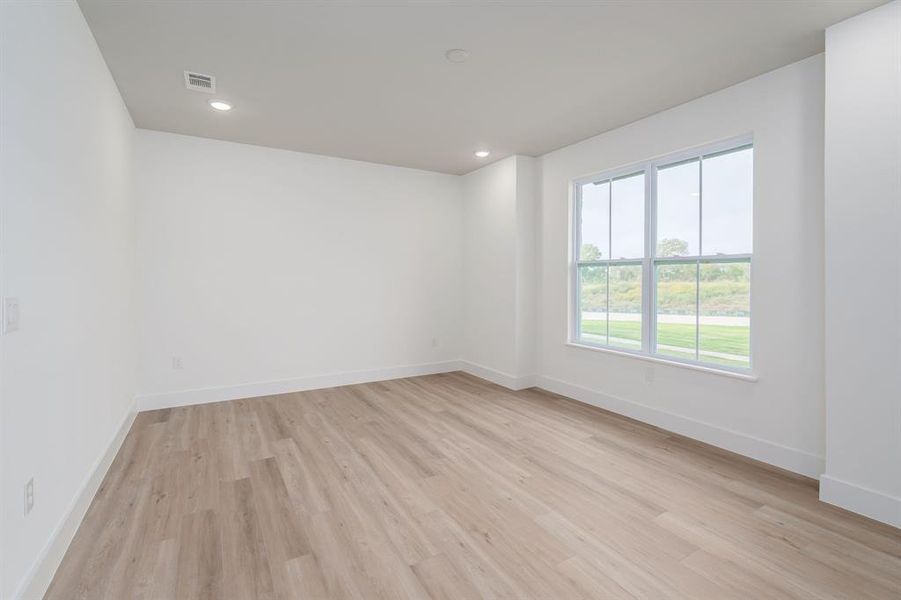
650	261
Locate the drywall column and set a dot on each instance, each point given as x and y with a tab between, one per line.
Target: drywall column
499	236
527	233
863	265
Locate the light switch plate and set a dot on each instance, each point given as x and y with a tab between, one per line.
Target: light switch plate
10	315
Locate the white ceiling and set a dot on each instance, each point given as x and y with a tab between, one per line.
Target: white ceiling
369	81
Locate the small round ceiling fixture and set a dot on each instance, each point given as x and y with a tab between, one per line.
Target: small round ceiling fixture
456	55
220	105
482	153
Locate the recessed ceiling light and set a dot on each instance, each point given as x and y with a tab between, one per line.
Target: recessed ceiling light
456	55
482	153
220	105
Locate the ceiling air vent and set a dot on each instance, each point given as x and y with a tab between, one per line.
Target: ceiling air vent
200	83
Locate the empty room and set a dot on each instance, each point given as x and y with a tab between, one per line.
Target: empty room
450	299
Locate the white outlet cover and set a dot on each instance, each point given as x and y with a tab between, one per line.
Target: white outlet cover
10	315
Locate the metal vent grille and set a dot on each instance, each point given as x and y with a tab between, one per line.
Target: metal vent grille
200	83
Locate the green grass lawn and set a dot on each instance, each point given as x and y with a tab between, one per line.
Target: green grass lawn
714	338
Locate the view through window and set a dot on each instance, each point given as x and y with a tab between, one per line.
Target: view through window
663	257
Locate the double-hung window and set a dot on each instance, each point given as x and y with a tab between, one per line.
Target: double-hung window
663	255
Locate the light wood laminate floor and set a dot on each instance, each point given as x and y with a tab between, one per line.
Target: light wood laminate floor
447	486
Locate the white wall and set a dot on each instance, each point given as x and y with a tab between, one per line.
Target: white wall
262	265
499	235
66	238
528	184
863	264
778	418
489	250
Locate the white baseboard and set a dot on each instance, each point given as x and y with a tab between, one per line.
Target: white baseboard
39	576
790	459
862	500
506	380
286	386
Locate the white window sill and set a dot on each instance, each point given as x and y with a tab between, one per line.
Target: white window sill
672	363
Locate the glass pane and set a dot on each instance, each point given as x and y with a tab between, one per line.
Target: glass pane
628	217
593	304
728	198
595	221
678	209
625	306
725	317
677	305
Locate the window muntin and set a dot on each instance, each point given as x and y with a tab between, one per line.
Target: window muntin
675	281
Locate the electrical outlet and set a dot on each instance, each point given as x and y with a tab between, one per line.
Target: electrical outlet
434	342
29	496
176	363
10	315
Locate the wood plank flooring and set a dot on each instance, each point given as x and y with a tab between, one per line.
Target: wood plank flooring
447	486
